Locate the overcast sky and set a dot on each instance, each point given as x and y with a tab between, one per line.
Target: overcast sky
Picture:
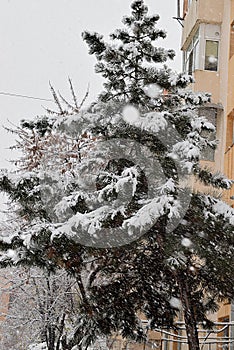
40	41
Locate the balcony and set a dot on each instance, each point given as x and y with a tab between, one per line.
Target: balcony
201	11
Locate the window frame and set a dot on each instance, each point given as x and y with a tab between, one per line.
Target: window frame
191	54
217	66
196	48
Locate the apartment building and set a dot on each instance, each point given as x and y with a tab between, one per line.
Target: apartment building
208	54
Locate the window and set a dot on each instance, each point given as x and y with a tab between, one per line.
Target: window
211	55
191	54
202	51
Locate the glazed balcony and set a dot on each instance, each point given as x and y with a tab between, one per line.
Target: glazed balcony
201	11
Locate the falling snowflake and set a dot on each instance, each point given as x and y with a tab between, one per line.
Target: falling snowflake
212	59
186	242
153	90
175	302
130	114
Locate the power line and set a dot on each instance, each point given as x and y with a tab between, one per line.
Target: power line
25	96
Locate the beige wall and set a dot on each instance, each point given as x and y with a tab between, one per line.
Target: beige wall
224	72
208	81
230	101
224	310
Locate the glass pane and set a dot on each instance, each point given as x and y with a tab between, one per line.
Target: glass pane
211	57
190	63
190	47
184	61
196	36
196	56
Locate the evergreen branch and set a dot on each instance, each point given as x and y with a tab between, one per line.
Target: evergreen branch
217	180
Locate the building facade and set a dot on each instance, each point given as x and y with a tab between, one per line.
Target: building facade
208	54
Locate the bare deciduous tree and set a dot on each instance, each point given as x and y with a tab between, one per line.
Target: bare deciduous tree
41	308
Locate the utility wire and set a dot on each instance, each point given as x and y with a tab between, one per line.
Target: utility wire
25	96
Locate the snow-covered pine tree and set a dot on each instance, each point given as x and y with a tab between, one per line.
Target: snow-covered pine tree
192	262
126	212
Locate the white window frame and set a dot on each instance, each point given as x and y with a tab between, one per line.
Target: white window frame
217	58
191	55
210	32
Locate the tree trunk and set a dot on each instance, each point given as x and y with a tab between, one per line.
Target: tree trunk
51	338
188	312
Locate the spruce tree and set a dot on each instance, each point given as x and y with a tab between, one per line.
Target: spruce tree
123	210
